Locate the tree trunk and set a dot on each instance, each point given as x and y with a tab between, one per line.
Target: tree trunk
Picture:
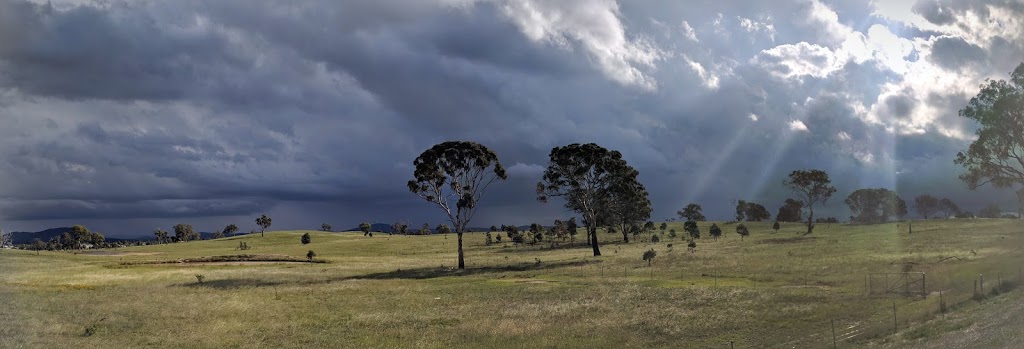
593	241
261	232
462	261
625	236
810	222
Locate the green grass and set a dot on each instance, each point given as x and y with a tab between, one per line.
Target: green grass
769	290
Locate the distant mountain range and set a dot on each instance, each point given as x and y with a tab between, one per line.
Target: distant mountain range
386	228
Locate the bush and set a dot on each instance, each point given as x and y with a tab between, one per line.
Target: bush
200	278
310	255
305	239
655	239
649	256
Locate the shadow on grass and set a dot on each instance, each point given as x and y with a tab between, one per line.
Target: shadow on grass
230	284
430	273
400	274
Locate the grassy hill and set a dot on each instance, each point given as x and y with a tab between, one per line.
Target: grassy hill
769	290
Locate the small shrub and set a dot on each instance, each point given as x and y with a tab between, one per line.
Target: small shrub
655	239
649	256
692	246
305	239
243	246
310	255
200	278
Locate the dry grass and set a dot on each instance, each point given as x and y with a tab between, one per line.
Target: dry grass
400	291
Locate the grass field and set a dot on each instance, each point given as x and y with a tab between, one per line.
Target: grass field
769	290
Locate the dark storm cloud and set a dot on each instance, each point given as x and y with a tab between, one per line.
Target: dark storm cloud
134	116
934	11
954	53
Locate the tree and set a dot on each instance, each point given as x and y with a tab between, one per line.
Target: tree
456	171
1020	203
264	222
589	178
663	227
310	255
425	229
741	210
572	227
537	232
875	205
926	205
756	212
628	206
161	235
400	228
494	228
184	232
305	239
325	227
365	228
742	230
691	228
990	211
813	187
38	245
715	231
5	239
692	212
948	208
443	229
218	235
649	227
776	226
672	234
997	155
649	256
230	229
791	211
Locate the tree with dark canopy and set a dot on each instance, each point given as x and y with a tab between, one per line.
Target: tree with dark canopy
812	186
184	232
365	228
997	155
692	212
663	227
776	226
264	222
443	229
161	236
742	230
325	227
691	228
649	256
741	210
715	231
791	211
230	229
589	178
627	206
756	212
926	205
305	240
454	175
400	228
875	205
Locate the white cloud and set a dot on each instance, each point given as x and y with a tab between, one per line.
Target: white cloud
798	60
595	25
797	125
688	32
753	116
709	79
754	26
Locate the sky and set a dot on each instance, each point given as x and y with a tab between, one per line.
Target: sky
128	116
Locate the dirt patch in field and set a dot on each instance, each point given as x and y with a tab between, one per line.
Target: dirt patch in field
119	254
793	240
532	281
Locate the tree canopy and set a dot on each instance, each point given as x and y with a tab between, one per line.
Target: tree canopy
454	175
875	205
927	205
997	155
264	222
692	212
590	178
813	187
791	211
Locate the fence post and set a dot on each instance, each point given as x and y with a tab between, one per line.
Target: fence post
895	327
942	305
924	284
834	345
981	283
